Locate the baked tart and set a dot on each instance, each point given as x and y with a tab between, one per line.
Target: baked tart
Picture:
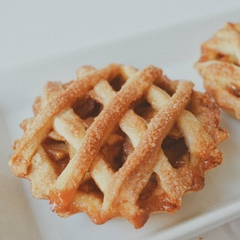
219	65
118	142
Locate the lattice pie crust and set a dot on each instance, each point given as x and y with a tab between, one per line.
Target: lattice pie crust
118	142
219	65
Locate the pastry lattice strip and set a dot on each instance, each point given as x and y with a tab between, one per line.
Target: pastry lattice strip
219	65
146	182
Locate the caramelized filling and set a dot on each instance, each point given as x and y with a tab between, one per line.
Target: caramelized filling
87	107
176	151
117	82
227	58
209	54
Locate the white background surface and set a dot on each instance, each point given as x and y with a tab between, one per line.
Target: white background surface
31	30
35	30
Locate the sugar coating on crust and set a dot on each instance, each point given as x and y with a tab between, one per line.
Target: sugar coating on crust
118	142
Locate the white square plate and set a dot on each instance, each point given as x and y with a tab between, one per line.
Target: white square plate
174	50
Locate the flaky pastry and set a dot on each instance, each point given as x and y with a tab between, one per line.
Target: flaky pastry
219	65
118	142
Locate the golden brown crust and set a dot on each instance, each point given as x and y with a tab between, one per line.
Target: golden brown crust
35	133
119	143
219	65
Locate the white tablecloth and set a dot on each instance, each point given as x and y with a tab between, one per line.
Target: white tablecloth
33	30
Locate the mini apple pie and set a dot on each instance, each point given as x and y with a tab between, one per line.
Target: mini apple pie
118	142
219	65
